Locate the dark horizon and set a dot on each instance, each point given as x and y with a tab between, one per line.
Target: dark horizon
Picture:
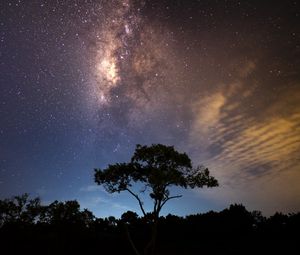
138	212
61	228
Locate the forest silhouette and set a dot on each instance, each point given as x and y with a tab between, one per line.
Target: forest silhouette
29	227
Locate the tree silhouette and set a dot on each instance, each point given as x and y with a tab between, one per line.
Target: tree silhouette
129	218
157	168
66	213
19	209
27	226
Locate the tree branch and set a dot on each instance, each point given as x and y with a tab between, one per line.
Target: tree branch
167	199
155	206
138	199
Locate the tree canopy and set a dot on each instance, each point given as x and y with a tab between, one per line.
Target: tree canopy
157	168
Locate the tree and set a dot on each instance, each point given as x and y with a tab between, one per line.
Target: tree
67	213
20	209
157	168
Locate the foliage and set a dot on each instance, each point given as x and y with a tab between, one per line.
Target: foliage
157	167
19	209
66	213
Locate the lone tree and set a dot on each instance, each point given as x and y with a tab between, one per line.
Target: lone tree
157	168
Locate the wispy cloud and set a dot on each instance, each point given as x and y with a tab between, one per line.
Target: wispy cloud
245	144
91	188
104	207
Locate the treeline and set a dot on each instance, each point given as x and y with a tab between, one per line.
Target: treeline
27	226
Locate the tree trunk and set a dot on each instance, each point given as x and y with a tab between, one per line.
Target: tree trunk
150	248
136	252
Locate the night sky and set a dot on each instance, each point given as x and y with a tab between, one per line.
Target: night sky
83	82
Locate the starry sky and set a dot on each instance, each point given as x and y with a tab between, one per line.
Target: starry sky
83	82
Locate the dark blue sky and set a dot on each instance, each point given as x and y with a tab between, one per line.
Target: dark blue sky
83	82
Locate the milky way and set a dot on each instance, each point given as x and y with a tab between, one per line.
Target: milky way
83	82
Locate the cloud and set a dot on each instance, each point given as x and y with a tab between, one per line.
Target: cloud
208	113
104	207
256	148
233	133
247	69
91	188
249	148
